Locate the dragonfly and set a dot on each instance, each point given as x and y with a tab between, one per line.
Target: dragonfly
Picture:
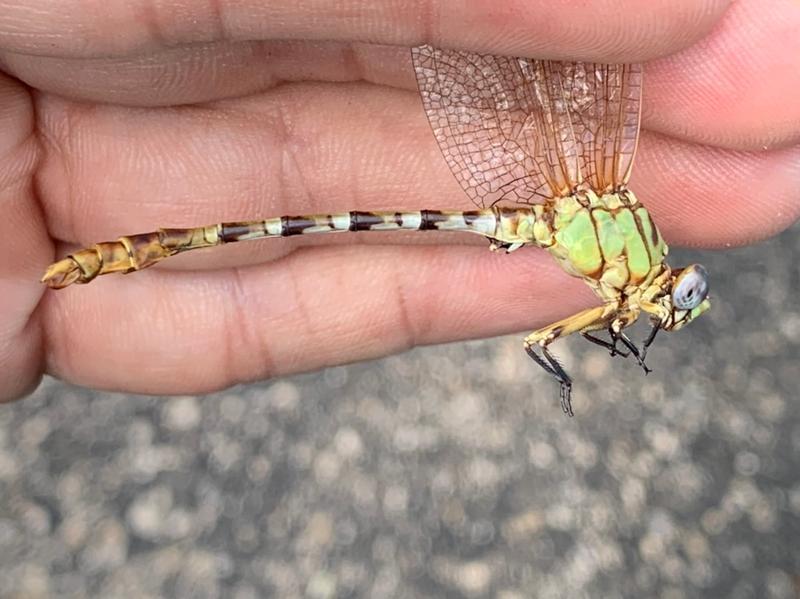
544	149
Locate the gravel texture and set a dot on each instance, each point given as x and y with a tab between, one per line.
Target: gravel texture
444	472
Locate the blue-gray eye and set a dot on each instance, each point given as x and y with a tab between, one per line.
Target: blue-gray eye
691	287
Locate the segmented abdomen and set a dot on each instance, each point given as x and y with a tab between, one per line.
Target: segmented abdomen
135	252
478	221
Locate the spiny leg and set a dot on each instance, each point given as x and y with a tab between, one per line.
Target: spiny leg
590	319
615	332
635	351
621	321
615	351
610	346
650	338
553	368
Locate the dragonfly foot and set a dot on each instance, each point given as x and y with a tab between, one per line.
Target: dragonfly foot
646	345
551	366
566	398
645	367
637	353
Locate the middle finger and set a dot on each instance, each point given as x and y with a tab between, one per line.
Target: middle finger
729	90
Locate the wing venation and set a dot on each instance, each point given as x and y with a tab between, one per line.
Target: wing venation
523	131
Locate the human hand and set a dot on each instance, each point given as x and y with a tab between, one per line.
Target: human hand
128	118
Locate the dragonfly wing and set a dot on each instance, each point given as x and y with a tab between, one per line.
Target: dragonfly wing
502	123
605	108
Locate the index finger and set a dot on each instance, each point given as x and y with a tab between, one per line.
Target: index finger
605	30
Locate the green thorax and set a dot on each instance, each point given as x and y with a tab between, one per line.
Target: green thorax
609	240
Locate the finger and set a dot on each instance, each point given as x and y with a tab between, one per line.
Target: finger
185	333
24	245
317	148
207	72
611	30
716	198
736	87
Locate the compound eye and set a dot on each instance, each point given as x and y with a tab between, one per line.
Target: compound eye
690	288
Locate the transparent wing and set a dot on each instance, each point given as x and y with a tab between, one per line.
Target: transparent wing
605	108
503	124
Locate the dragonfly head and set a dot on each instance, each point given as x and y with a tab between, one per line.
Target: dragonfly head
687	297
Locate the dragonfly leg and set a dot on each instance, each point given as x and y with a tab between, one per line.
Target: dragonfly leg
610	346
650	338
553	368
620	322
504	246
615	328
590	319
639	355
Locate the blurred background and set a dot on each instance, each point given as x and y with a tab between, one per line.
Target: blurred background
444	472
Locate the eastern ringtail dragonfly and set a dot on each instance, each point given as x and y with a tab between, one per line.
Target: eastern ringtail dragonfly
544	149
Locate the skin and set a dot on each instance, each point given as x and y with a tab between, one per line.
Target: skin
120	117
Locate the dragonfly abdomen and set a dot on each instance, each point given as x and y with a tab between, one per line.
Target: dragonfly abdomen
477	221
512	227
